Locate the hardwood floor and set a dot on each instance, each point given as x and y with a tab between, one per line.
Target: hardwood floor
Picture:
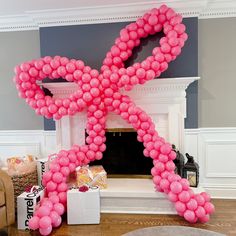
223	221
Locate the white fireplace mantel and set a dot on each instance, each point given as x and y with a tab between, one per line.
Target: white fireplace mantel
163	99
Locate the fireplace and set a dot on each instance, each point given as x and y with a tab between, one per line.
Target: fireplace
165	101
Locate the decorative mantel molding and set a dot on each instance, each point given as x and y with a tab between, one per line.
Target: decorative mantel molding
163	99
113	12
157	87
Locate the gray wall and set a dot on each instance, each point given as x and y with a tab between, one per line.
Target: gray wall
217	64
91	42
16	47
217	68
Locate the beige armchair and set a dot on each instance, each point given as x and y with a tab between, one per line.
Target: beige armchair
7	205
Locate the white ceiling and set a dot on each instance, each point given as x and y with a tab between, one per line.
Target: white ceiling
19	7
32	14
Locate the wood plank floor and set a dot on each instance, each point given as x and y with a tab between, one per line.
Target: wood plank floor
223	221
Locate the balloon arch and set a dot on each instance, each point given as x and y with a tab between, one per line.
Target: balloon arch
99	92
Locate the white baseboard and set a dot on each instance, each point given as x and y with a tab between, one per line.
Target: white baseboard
213	148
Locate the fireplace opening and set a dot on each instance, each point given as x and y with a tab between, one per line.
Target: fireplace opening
124	155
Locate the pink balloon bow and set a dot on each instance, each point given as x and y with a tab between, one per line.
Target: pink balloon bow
99	93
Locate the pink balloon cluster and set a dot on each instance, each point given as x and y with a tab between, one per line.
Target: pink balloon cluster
99	92
47	215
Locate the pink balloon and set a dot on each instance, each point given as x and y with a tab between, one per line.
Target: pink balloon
184	196
172	155
45	231
160	167
153	154
95	92
153	19
156	180
180	206
200	212
45	222
54	199
175	51
170	166
51	186
47	69
65	171
140	73
173	197
206	196
59	208
164	184
204	219
192	204
43	211
57	177
189	216
62	187
200	199
47	176
70	67
184	183
54	216
61	70
165	48
54	167
57	222
34	223
62	196
52	108
98	140
48	203
209	208
64	161
176	187
72	167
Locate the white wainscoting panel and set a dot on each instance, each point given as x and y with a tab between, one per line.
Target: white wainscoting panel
216	151
10	149
213	148
17	142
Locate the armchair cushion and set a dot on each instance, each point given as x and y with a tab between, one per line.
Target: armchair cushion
7	205
2	198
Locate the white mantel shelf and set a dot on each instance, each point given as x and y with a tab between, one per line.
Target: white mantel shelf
164	100
160	84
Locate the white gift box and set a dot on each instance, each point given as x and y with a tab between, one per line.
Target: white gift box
83	207
42	166
26	203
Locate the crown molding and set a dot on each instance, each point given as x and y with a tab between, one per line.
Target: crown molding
17	23
219	9
32	20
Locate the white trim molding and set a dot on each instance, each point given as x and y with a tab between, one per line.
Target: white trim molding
213	148
113	12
